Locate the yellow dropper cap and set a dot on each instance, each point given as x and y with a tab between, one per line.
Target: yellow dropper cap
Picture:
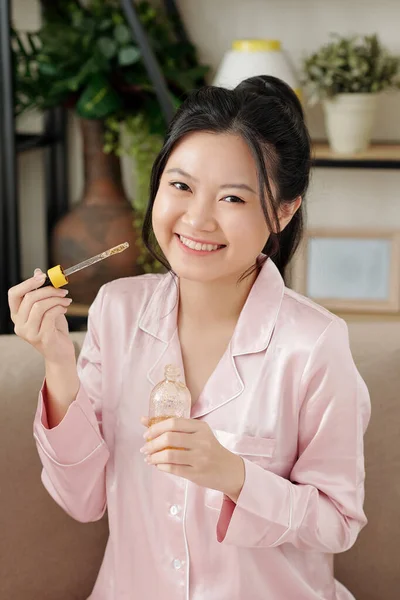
57	277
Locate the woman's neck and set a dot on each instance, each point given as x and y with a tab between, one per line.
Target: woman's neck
214	303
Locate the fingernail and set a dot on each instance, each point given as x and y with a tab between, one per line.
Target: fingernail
38	274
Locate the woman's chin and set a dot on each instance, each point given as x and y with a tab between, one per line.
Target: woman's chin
190	273
204	273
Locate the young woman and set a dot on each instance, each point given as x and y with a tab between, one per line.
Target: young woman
265	482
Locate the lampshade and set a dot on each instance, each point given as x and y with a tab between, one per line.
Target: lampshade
248	58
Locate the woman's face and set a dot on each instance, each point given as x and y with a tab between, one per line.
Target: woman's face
207	215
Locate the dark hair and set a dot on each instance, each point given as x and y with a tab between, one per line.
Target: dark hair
268	115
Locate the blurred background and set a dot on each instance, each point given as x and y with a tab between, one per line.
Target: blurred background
79	80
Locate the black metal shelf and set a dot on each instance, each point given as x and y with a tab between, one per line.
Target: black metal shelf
31	141
382	155
53	140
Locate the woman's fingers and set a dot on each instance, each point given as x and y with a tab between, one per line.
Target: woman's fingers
170	457
176	424
171	439
17	293
50	321
36	297
44	313
38	314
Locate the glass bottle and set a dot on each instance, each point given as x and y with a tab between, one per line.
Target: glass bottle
169	398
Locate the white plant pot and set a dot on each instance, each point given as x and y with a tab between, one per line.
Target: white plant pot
349	119
249	58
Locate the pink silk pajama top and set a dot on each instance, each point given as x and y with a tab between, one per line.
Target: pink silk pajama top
286	396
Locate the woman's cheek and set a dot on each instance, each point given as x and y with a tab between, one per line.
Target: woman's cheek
157	220
164	208
164	217
256	232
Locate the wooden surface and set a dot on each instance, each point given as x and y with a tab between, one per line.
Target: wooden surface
368	317
374	152
78	310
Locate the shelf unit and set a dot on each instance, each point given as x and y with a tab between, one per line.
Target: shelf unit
53	141
380	155
30	141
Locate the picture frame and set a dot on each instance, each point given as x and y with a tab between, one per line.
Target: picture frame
348	270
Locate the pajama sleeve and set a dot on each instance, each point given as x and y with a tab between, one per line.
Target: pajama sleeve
320	506
74	453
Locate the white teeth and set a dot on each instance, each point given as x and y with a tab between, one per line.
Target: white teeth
197	245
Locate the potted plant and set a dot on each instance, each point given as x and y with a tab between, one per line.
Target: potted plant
85	57
347	75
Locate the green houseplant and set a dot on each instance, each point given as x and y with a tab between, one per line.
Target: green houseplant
347	75
85	57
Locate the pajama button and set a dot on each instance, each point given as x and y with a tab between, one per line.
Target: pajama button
177	564
174	510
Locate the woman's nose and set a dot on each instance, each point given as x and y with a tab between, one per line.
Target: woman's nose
200	217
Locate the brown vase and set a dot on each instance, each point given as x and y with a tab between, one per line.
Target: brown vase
103	219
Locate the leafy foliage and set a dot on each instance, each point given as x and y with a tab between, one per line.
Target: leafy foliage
355	64
85	56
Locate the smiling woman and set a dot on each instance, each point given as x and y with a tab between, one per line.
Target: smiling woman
250	496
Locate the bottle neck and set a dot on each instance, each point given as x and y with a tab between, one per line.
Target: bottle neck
172	373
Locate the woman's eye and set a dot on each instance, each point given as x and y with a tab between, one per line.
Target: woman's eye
180	186
233	200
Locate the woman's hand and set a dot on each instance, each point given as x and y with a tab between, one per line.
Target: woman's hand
188	448
38	314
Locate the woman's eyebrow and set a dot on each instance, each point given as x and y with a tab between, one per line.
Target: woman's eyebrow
238	186
181	172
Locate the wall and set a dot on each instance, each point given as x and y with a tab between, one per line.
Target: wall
354	198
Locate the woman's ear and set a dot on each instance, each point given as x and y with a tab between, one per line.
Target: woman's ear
287	210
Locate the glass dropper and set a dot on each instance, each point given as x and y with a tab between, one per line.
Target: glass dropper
57	276
95	259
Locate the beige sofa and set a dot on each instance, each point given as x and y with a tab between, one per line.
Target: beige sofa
45	555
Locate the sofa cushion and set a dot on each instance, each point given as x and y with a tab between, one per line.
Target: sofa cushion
371	569
44	553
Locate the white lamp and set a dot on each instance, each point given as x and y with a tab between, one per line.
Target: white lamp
248	58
